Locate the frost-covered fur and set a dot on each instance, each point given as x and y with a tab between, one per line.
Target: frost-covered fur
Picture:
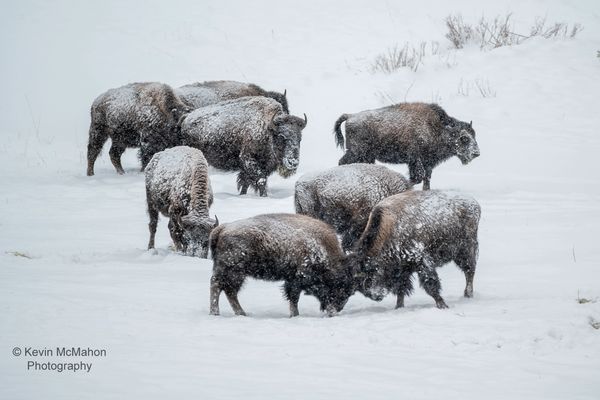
177	186
132	115
420	135
299	250
252	135
417	231
202	94
343	196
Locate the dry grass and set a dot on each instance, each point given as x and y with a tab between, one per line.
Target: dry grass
498	32
406	56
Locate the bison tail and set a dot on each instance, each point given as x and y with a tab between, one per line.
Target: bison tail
337	130
378	230
213	239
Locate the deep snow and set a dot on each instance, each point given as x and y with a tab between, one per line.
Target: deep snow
88	281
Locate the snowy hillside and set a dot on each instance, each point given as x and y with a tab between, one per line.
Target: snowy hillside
75	272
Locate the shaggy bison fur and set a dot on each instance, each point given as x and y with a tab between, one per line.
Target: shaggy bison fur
420	135
299	250
202	94
417	231
132	115
252	135
344	196
177	186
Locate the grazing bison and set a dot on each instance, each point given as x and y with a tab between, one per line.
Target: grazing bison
177	186
133	114
343	196
417	231
252	135
198	95
420	135
299	250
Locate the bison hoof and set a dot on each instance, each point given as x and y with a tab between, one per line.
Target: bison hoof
213	312
441	304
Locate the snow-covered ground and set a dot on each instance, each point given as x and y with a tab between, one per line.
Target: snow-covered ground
86	279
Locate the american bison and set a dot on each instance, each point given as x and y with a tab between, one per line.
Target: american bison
420	135
252	135
177	186
343	196
299	250
202	94
130	115
417	231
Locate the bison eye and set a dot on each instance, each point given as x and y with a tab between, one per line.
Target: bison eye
465	140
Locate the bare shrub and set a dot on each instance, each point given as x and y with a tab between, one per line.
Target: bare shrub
491	34
407	56
480	85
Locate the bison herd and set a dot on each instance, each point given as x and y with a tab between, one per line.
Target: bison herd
358	226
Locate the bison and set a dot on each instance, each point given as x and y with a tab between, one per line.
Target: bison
417	231
177	186
420	135
252	135
130	115
198	94
343	196
299	250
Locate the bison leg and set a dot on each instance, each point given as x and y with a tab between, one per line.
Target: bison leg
292	293
467	262
416	171
231	294
97	137
404	286
427	179
115	152
176	234
215	293
261	185
243	183
152	226
430	281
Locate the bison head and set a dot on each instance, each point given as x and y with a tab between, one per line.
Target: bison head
365	278
287	134
462	136
195	230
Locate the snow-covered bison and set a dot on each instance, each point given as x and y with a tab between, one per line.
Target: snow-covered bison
344	196
252	135
417	231
418	134
301	251
177	186
202	94
133	114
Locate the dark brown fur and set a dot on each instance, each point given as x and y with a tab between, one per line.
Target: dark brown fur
299	250
417	232
144	115
420	135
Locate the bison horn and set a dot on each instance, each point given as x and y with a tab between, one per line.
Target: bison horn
471	123
305	119
284	92
216	221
